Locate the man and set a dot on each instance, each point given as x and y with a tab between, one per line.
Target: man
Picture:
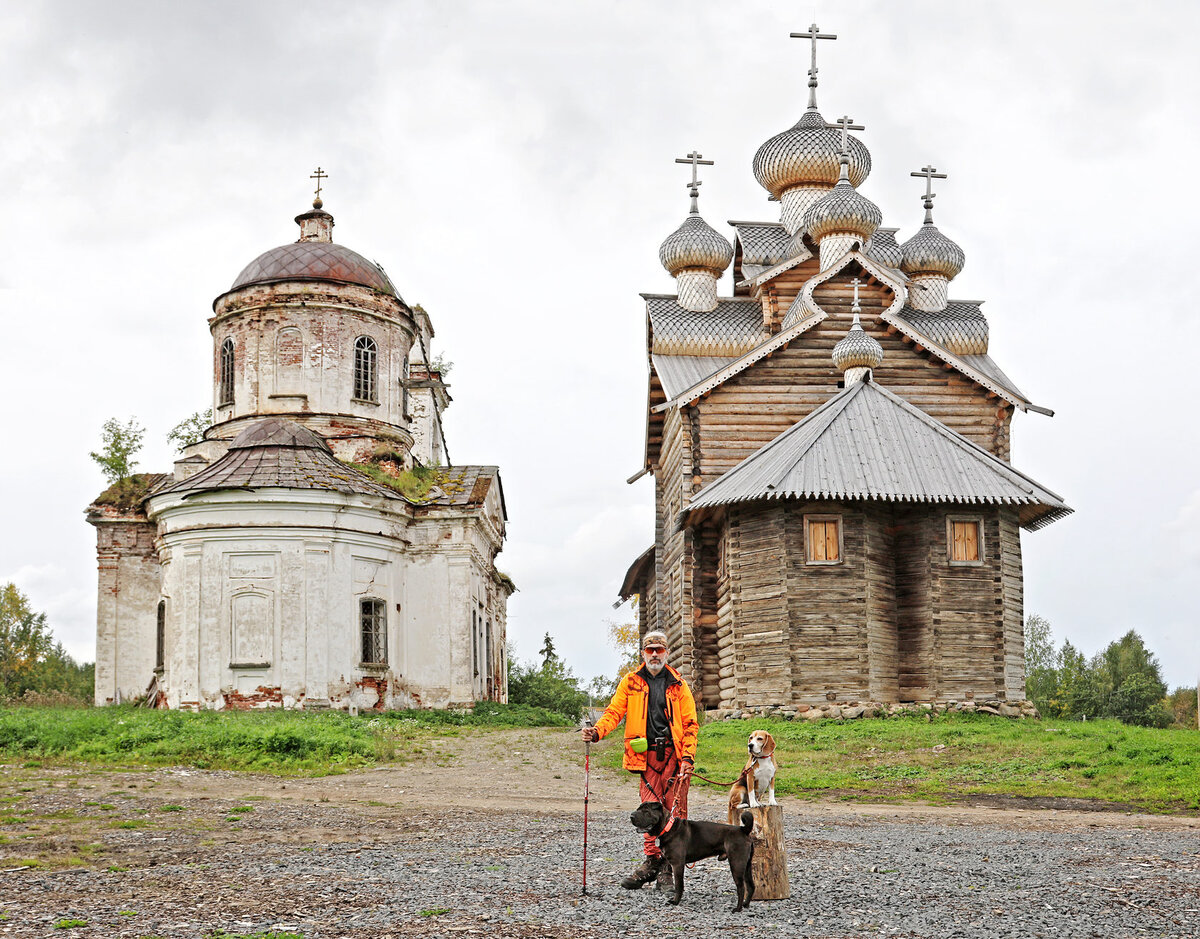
659	712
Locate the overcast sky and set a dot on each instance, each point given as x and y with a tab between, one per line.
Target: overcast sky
511	166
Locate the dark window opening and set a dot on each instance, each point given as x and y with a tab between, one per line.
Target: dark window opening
366	369
160	636
373	617
225	394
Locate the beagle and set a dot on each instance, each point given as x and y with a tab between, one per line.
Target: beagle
758	778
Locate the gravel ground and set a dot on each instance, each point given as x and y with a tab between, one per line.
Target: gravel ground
319	859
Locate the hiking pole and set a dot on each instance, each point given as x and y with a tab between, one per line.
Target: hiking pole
587	788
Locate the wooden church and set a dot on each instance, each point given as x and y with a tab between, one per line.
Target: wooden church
838	524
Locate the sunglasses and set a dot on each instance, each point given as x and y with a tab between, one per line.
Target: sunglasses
652	650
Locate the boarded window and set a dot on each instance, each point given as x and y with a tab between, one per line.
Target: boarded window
253	622
823	536
966	542
289	355
373	616
366	369
160	636
225	392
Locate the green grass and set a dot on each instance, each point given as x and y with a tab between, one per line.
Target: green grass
896	759
266	741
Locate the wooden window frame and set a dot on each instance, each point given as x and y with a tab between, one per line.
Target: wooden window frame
808	520
978	522
366	370
373	631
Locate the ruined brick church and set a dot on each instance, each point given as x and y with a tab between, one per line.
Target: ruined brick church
838	521
316	549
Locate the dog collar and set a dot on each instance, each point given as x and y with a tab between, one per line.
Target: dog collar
670	824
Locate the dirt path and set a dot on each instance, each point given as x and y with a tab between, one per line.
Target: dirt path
483	837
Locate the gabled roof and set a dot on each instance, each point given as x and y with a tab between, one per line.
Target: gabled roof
964	326
867	443
733	327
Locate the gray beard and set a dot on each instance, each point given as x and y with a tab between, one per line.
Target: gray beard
654	669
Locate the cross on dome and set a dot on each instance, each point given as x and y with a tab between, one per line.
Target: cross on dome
319	175
814	33
856	308
694	158
930	173
846	123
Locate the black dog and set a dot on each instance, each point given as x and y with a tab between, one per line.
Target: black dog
686	841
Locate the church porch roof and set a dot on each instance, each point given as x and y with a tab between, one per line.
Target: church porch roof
866	443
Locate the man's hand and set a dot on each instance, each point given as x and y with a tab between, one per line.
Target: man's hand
589	734
685	768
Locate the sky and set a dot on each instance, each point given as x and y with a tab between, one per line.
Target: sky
512	167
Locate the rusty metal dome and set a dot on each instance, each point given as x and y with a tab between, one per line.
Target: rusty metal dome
807	154
314	261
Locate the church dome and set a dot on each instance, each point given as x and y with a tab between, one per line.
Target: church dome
695	244
931	252
843	210
315	261
807	154
857	349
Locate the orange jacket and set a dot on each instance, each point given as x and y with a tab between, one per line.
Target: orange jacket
631	701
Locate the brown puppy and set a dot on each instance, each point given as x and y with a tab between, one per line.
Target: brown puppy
756	785
685	841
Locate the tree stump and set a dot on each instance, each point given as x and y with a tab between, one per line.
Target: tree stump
770	860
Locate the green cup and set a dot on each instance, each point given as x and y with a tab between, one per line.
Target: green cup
639	744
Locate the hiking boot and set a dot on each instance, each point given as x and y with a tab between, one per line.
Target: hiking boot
646	872
665	879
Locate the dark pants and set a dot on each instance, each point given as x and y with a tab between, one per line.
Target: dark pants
654	788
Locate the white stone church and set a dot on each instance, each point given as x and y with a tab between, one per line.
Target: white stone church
269	570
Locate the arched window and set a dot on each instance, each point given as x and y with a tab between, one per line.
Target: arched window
373	616
160	636
225	394
366	369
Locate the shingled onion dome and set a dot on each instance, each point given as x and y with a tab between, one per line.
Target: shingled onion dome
883	247
857	353
931	261
800	165
696	255
842	218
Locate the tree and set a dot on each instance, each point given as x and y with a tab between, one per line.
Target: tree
120	443
550	686
24	641
1041	666
626	639
190	430
549	656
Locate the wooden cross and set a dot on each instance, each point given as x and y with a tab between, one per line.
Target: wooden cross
930	173
318	176
846	123
814	33
694	159
855	282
